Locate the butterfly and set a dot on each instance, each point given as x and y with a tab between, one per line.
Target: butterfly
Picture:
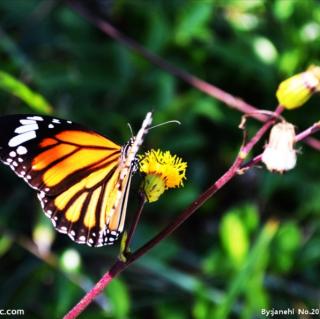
81	177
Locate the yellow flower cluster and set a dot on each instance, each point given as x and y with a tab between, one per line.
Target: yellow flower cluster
296	90
163	171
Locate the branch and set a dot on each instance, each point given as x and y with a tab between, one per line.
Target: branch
194	81
119	266
299	138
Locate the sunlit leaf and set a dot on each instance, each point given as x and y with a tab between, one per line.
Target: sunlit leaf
234	237
34	100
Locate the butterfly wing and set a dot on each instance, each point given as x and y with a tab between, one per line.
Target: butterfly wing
85	211
82	178
76	172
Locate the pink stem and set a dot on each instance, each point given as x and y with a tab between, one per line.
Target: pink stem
306	133
95	291
120	266
299	137
134	224
194	81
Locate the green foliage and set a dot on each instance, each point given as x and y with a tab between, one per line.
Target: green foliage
228	260
193	22
234	238
249	278
119	298
15	87
287	244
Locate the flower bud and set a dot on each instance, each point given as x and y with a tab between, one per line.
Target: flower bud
153	186
296	90
279	154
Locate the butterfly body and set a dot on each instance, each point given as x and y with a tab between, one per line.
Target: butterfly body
82	178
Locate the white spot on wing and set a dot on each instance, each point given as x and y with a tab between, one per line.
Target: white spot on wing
50	126
13	154
37	118
27	122
21	150
56	121
82	239
19	139
26	128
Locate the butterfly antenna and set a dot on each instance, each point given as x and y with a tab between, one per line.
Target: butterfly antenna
130	128
165	123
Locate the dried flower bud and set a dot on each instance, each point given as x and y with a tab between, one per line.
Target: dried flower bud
279	154
295	91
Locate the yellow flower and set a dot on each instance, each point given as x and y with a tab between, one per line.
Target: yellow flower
163	171
296	90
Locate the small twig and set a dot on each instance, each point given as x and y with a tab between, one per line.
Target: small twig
313	142
306	133
299	137
271	114
134	223
253	162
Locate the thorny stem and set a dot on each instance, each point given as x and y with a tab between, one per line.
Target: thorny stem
119	265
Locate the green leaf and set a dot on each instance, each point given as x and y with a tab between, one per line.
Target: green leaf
288	237
5	244
286	243
34	100
252	266
234	238
193	22
249	215
118	294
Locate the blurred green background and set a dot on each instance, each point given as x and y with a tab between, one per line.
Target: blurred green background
255	244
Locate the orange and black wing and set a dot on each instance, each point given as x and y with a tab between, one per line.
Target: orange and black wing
76	172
